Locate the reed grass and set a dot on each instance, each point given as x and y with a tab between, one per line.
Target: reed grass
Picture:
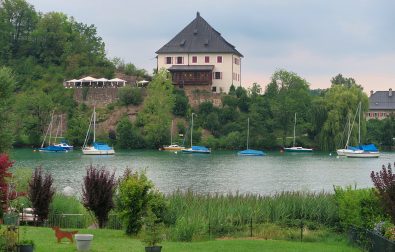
219	214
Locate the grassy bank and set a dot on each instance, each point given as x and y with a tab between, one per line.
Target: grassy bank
115	240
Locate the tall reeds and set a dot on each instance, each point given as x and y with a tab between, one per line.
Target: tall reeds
218	214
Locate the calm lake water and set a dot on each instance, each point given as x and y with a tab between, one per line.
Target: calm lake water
222	171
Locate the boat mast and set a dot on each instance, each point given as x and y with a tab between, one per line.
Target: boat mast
49	127
192	129
359	124
171	133
294	130
248	130
50	130
94	124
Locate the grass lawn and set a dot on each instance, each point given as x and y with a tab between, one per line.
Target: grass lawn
115	240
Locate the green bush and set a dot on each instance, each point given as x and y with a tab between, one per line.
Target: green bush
358	207
130	95
135	195
180	104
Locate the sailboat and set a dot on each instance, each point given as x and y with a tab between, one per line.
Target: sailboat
97	148
250	152
50	147
297	148
172	147
347	148
362	151
196	149
63	143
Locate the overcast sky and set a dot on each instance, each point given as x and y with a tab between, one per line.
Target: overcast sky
317	39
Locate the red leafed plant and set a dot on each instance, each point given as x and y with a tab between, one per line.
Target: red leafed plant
5	164
384	181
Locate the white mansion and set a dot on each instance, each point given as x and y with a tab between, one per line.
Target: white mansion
200	58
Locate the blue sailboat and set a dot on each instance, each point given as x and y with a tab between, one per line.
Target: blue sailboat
250	152
196	149
50	147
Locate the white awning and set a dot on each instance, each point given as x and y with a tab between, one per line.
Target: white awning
102	79
88	78
117	80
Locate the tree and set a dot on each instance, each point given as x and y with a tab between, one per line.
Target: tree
180	103
76	128
384	181
288	94
128	137
341	102
156	113
34	110
136	195
98	191
7	85
343	81
41	193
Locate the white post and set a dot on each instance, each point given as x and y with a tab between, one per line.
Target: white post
171	133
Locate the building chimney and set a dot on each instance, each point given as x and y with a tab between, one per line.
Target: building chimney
197	14
371	92
390	92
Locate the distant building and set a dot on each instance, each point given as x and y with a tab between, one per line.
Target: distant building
381	104
198	57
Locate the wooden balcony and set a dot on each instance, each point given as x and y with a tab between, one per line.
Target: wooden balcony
191	75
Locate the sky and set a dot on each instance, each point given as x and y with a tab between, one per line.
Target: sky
317	39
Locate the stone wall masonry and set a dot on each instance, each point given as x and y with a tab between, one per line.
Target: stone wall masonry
100	97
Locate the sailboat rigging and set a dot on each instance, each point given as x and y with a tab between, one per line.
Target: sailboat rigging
250	152
296	148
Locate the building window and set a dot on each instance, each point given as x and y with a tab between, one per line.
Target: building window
217	75
194	59
180	60
219	59
169	60
207	59
214	89
375	114
237	61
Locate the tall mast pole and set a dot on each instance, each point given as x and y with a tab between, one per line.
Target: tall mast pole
359	123
94	124
171	133
248	130
294	130
192	129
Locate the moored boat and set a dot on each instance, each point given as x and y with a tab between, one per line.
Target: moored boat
249	152
172	147
197	149
297	148
97	148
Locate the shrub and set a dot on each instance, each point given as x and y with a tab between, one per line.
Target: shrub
128	137
135	195
153	229
41	193
97	192
5	164
359	208
130	95
384	181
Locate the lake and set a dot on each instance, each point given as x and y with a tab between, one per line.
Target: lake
222	171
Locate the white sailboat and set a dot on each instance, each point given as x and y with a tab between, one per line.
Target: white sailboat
297	148
172	147
249	152
347	148
196	149
362	151
97	148
50	147
63	143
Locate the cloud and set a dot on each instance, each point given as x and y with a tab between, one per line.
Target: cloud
316	39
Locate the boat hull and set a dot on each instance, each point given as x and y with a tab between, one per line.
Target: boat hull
189	151
98	152
250	153
358	154
52	149
298	149
169	148
343	152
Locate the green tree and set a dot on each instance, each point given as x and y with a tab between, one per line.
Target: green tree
180	103
341	102
156	113
136	194
288	94
34	112
76	128
7	85
128	137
